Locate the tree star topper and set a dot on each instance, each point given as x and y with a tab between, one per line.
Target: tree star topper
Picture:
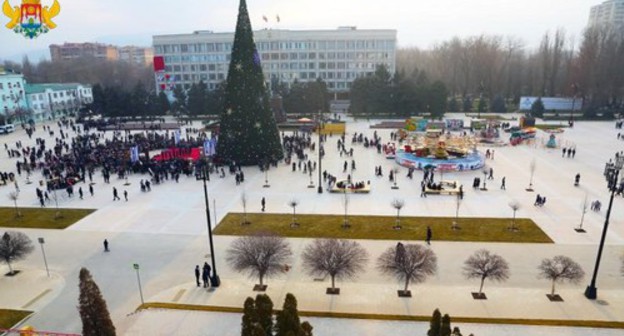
30	19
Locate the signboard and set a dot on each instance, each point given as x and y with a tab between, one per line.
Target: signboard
552	103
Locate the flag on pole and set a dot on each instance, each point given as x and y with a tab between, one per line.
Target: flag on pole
176	137
134	154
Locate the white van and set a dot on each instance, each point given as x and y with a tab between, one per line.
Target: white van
8	128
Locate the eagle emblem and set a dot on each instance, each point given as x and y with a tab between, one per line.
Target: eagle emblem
30	18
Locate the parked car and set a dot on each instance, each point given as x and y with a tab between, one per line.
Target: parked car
8	128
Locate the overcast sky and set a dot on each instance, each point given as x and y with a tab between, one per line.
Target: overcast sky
419	23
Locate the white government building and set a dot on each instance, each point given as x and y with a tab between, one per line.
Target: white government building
49	101
337	56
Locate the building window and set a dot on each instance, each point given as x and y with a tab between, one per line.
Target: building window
202	67
1	86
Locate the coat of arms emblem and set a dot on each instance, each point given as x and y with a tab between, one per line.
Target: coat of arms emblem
30	18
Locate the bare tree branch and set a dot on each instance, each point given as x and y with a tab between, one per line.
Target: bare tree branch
338	258
411	264
14	246
560	269
260	255
483	265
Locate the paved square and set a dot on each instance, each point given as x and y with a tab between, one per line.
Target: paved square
165	232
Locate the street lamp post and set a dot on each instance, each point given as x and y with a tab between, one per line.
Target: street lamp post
215	281
591	292
320	152
45	261
136	268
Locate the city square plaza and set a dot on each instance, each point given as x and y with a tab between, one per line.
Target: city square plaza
165	233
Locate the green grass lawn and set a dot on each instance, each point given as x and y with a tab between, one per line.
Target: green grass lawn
9	318
380	227
41	218
545	127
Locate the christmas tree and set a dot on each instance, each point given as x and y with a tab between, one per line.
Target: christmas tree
248	131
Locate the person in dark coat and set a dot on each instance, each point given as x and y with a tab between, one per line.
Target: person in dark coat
263	203
106	245
206	275
115	195
429	235
197	274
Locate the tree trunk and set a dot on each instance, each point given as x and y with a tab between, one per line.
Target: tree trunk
406	283
10	268
481	287
333	285
261	277
552	292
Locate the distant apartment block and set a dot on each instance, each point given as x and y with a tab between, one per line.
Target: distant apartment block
68	51
136	55
608	13
133	54
337	56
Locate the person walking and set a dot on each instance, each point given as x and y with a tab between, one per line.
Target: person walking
106	245
197	274
491	176
115	195
126	195
503	183
423	189
206	275
429	235
263	203
80	192
91	189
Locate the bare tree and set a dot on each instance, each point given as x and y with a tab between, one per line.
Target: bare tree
583	212
398	205
483	265
338	258
14	196
532	166
244	204
408	263
560	269
259	255
345	203
458	202
293	204
14	246
515	206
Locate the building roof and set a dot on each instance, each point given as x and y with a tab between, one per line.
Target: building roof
39	88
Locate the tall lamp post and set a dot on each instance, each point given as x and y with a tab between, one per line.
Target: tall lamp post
611	173
45	260
215	281
320	152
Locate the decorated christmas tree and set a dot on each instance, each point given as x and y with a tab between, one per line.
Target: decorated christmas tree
248	132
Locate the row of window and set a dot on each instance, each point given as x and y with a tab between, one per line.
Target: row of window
277	45
330	85
11	85
284	75
219	68
213	58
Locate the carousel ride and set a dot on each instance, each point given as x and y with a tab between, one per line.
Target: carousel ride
437	150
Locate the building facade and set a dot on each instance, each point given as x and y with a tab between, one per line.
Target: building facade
49	101
68	51
12	93
609	13
131	54
137	55
338	56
